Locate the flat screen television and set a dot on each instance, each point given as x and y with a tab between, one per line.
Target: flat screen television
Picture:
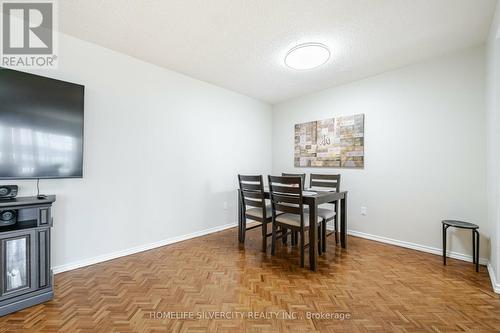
41	127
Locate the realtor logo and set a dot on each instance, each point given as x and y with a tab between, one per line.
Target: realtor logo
28	34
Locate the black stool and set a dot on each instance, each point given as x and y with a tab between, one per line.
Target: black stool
475	238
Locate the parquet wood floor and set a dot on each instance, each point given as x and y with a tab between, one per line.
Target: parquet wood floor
383	288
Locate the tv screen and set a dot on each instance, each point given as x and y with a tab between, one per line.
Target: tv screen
41	127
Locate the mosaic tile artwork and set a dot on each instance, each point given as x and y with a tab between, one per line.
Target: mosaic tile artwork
334	142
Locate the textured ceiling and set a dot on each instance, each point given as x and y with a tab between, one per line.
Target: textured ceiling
240	44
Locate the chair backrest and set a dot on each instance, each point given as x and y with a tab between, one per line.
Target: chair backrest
286	195
252	192
301	175
331	182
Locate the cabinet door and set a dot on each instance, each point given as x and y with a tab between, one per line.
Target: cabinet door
18	267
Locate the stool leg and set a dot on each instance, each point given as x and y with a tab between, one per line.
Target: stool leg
477	251
444	244
473	246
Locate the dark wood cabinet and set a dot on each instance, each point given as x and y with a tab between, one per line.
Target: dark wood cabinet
25	271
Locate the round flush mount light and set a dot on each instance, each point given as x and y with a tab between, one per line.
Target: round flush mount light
307	56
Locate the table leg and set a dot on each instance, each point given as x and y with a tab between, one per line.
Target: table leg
336	222
320	238
343	222
313	237
323	237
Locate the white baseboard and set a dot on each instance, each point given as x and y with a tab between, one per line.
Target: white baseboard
140	248
494	282
418	247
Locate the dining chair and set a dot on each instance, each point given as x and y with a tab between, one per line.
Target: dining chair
288	210
326	183
294	234
301	175
253	202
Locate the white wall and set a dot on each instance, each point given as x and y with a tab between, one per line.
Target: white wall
493	142
424	148
162	153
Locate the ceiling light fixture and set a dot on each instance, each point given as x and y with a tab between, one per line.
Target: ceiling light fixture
307	56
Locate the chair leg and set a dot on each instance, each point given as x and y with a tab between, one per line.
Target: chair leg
264	236
302	248
293	240
241	227
284	238
273	240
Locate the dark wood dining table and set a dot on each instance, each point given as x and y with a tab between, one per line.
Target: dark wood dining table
312	201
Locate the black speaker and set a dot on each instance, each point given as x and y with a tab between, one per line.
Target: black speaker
8	191
7	217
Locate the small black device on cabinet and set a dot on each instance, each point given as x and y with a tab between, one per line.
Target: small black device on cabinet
8	217
8	192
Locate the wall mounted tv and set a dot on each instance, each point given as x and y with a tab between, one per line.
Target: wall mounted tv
41	127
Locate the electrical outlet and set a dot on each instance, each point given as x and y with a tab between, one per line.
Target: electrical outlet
364	211
225	205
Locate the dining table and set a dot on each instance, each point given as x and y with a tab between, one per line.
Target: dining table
312	198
